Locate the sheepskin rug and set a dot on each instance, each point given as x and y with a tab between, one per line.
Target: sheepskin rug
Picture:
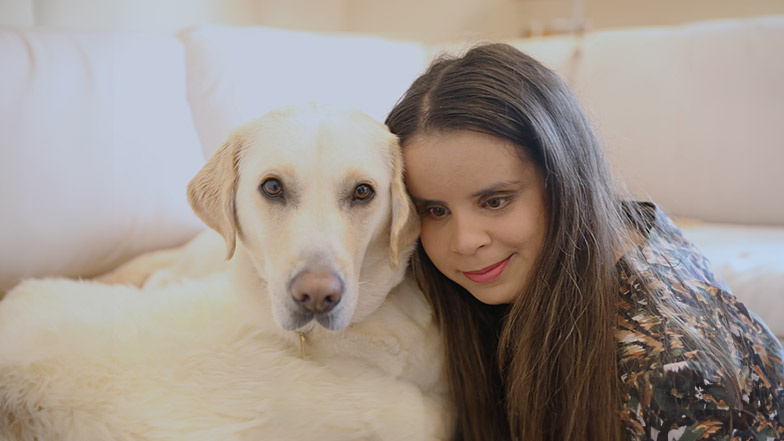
81	360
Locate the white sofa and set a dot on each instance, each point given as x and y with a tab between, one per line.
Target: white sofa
100	131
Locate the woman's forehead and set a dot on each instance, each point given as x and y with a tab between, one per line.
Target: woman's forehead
464	160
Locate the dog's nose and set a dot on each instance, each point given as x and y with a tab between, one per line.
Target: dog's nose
317	289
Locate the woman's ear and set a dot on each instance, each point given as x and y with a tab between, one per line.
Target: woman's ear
405	222
213	191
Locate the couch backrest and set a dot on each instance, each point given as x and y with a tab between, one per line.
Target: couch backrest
97	145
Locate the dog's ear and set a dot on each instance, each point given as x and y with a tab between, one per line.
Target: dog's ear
212	192
405	222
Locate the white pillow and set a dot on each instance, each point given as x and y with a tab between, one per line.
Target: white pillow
237	74
97	146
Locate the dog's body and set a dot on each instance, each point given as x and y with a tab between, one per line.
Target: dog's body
317	266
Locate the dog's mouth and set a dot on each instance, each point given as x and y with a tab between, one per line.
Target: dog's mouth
299	320
330	320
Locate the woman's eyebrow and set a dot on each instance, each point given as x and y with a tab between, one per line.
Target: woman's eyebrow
496	187
418	201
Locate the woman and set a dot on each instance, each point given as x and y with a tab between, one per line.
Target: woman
567	314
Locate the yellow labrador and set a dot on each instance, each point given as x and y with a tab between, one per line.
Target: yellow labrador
318	227
312	212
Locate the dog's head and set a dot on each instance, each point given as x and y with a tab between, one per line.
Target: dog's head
314	195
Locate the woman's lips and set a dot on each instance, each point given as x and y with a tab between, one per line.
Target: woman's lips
487	274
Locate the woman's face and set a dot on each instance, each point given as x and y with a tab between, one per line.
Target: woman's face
482	211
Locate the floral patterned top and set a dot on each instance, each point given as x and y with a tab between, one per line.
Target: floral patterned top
669	392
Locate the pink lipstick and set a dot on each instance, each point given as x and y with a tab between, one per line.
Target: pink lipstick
487	274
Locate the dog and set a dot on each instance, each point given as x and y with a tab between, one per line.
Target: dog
312	327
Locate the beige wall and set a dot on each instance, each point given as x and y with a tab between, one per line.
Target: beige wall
425	20
16	12
622	13
173	15
437	20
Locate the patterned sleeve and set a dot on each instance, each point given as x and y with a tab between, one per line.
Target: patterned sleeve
680	403
670	393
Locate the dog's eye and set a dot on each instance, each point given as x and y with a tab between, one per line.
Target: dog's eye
272	188
363	192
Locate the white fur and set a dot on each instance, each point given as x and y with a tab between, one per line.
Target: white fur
84	361
197	353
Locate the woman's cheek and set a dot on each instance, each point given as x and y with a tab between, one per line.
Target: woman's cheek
432	242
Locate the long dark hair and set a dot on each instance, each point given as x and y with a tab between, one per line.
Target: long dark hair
544	367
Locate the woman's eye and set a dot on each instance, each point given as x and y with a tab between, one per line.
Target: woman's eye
363	193
436	212
495	203
272	188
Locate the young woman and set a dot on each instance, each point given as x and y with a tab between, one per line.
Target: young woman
568	312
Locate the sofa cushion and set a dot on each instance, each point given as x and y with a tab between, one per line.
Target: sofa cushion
237	74
98	145
691	116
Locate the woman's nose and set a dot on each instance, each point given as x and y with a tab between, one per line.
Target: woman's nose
468	235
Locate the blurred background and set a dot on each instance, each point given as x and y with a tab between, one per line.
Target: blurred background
428	21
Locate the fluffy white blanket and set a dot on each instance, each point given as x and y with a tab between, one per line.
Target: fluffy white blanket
84	361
